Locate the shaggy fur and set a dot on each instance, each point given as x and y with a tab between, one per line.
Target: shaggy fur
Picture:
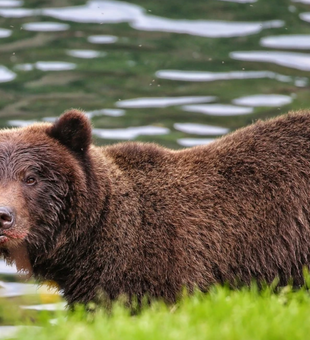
138	219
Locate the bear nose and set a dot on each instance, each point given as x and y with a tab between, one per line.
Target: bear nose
7	217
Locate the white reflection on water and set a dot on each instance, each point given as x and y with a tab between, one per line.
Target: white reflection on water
200	129
6	74
20	123
300	61
4	33
24	67
203	28
50	119
45	26
10	289
85	54
48	306
47	66
131	132
294	41
163	101
98	12
106	112
5	269
54	66
305	16
301	81
18	12
11	3
102	39
240	1
213	76
218	109
136	16
189	142
302	1
264	100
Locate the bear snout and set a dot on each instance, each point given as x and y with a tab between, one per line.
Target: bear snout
7	218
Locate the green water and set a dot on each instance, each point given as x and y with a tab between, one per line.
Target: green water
126	69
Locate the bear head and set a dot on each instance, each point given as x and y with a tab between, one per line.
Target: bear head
45	175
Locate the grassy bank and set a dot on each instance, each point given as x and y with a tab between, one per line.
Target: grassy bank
220	314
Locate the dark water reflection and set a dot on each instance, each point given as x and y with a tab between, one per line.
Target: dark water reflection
174	72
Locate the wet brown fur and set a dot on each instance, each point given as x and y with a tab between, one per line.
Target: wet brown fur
139	219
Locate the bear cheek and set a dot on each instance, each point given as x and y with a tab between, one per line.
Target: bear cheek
14	217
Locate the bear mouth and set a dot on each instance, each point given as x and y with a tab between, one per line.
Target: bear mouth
3	239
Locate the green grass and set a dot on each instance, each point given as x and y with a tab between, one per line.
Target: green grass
220	314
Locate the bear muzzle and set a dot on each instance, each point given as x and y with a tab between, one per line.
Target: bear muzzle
7	221
7	218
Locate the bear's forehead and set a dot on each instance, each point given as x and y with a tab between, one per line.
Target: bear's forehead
17	144
29	138
25	146
31	148
28	134
17	157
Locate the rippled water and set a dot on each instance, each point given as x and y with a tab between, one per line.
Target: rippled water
213	76
4	33
6	74
162	102
102	39
86	54
219	109
300	61
294	41
177	73
45	26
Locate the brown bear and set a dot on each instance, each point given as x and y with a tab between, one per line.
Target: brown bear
142	220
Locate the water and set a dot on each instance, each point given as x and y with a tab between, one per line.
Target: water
102	39
130	132
213	76
162	102
118	11
47	66
300	61
4	269
4	33
189	142
86	54
200	129
174	72
275	100
45	26
48	298
6	75
219	109
106	112
11	3
294	41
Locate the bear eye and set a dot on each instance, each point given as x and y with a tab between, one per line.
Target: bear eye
30	180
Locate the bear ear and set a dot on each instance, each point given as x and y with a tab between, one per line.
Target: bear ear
73	130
